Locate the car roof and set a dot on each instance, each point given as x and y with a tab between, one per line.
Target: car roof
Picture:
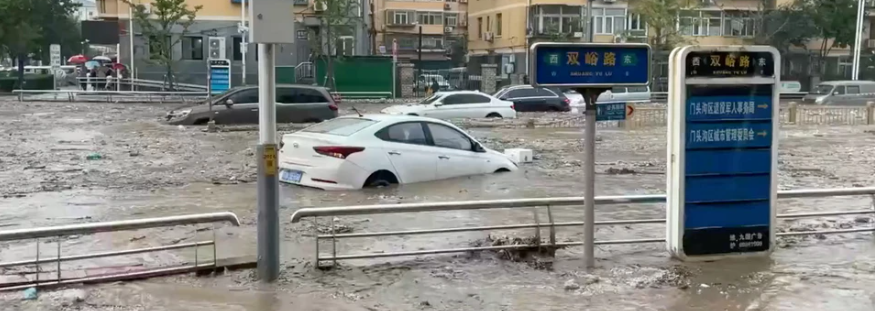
302	86
845	82
460	92
394	118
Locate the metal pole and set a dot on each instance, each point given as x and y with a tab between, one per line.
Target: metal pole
131	38
243	43
590	30
268	196
419	62
590	97
858	41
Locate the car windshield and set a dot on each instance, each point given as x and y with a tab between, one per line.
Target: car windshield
340	126
822	89
431	99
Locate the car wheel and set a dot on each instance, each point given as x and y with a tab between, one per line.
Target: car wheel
202	121
493	115
380	179
413	114
502	170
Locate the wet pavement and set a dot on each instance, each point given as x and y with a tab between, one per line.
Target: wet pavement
147	169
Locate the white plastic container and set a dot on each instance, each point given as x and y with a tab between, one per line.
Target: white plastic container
519	155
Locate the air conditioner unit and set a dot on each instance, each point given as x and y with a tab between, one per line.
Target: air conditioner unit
609	1
488	36
870	43
578	34
463	1
148	7
216	47
320	6
449	29
446	6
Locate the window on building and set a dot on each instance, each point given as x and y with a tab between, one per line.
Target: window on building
193	48
635	26
609	21
345	45
479	28
156	49
432	43
558	19
488	24
429	18
399	17
498	24
237	52
451	19
738	24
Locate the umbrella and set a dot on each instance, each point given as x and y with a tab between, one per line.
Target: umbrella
91	64
101	59
77	59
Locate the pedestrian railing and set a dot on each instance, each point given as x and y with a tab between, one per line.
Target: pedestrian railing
663	96
110	96
539	204
650	115
58	233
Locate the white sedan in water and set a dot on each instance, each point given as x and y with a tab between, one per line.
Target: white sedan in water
379	150
457	104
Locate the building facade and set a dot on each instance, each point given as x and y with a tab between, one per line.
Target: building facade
440	25
220	20
500	31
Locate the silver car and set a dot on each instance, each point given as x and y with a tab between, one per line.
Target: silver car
850	93
632	94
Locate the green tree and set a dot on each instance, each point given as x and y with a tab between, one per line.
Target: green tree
661	18
28	27
832	22
338	18
59	26
783	27
164	24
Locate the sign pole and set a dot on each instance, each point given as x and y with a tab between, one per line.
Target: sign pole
591	69
590	96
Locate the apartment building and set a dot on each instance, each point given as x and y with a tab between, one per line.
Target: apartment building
216	34
399	25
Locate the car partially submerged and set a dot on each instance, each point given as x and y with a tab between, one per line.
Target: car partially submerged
457	104
353	152
294	104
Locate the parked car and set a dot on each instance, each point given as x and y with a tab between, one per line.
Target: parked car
380	150
457	104
294	104
528	98
632	94
790	87
841	93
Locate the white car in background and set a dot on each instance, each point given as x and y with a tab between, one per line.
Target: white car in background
379	150
457	104
631	94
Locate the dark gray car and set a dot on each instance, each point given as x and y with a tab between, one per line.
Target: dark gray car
294	104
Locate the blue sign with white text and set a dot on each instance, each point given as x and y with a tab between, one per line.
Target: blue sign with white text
580	64
728	168
220	76
611	112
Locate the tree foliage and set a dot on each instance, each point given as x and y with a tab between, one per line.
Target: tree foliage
338	18
661	17
164	23
29	27
833	23
783	27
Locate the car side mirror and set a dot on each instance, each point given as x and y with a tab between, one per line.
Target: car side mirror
478	148
438	104
835	93
229	102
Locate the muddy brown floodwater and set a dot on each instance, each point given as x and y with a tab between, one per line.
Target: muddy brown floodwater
66	163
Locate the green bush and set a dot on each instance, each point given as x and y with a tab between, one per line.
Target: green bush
31	82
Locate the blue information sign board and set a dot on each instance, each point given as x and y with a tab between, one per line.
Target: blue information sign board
722	142
220	75
611	112
728	169
588	64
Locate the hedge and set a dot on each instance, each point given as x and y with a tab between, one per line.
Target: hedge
31	82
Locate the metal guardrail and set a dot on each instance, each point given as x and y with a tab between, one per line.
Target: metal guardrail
364	95
111	226
551	225
663	96
110	96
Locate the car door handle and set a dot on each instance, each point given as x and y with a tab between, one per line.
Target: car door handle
394	153
443	157
254	109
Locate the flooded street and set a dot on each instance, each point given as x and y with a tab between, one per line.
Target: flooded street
68	163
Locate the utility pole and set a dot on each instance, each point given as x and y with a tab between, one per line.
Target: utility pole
858	40
419	62
244	45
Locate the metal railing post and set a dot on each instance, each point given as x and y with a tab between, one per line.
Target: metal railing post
59	259
537	228
37	265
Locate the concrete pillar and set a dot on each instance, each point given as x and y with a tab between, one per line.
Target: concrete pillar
488	78
407	80
517	78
